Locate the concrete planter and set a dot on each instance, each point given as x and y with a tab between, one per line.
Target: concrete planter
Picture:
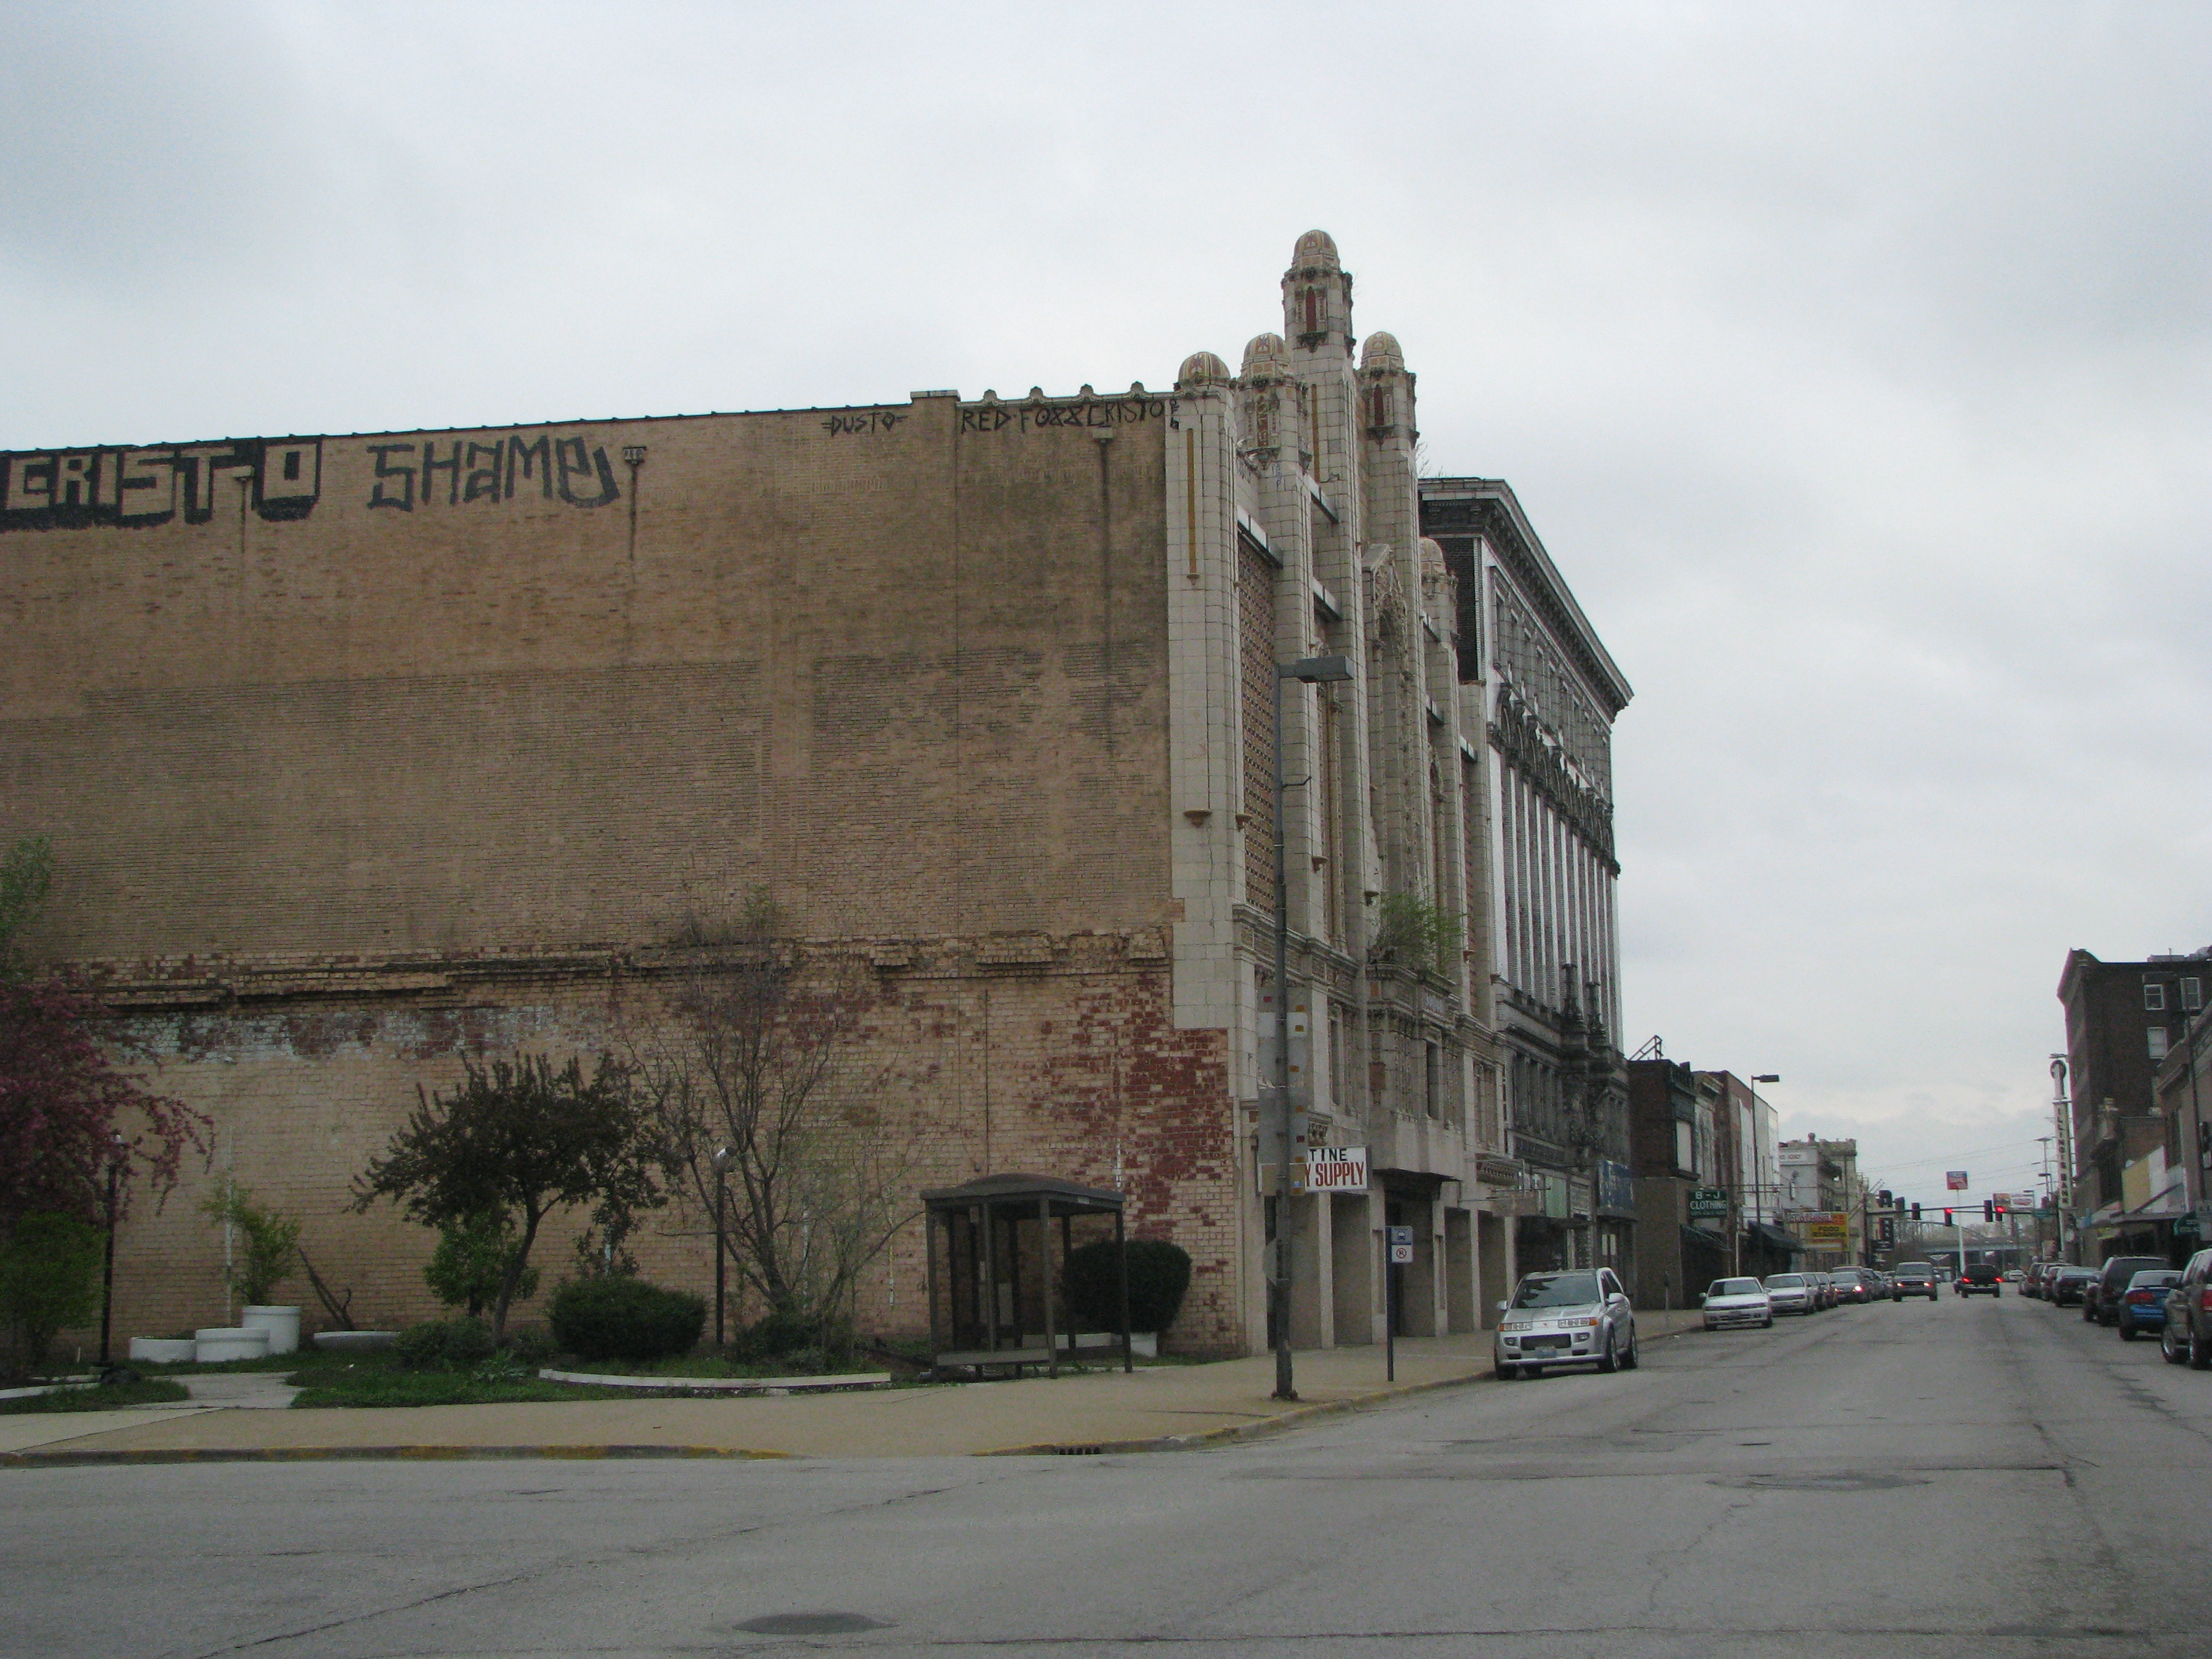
356	1341
1143	1345
283	1325
164	1350
217	1343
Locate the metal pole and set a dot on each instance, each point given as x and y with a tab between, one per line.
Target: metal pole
1389	1312
722	1205
107	1267
1278	1291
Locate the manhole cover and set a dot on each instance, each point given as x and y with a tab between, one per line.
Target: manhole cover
812	1624
1825	1482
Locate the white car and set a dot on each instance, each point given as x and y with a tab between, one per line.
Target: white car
1577	1317
1737	1302
1791	1294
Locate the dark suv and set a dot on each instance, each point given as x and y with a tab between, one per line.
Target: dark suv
1984	1277
1913	1279
2100	1300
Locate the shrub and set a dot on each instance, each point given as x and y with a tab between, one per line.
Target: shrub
470	1263
445	1344
49	1281
268	1239
531	1345
1159	1273
790	1333
619	1318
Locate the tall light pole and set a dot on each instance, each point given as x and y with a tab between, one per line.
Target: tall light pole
1309	671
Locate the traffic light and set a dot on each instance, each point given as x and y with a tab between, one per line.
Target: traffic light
1916	1212
1988	1210
2003	1210
1947	1217
1884	1200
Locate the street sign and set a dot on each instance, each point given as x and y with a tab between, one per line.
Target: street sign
1401	1246
1336	1169
1889	1229
1955	1180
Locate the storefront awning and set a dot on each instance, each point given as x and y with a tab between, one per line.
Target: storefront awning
1704	1239
1775	1239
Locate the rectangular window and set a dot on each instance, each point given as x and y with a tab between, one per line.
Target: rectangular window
1432	1081
2158	1043
2153	998
1685	1146
2192	995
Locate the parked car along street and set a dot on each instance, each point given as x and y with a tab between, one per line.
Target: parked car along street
1565	1319
2188	1333
2100	1301
1789	1293
2068	1285
2141	1305
1732	1301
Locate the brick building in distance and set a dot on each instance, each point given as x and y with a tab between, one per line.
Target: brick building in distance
2123	1020
361	754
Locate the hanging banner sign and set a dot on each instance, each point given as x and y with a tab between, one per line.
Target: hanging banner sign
1336	1169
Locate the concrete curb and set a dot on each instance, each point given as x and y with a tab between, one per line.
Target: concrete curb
88	1458
1236	1431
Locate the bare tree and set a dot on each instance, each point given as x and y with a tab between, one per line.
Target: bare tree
758	1047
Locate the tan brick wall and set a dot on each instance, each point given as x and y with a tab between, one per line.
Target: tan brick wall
907	667
1071	1066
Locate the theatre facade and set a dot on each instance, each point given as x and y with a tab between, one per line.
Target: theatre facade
361	754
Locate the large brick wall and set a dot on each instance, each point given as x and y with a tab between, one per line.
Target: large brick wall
417	744
1068	1063
906	668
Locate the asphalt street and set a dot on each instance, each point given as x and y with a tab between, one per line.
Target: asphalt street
1934	1480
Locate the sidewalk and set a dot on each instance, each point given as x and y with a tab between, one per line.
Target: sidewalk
1156	1409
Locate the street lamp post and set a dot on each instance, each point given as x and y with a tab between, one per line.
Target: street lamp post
1309	671
115	1154
721	1162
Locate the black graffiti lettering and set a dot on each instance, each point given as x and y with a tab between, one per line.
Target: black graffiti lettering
77	480
139	470
520	452
483	481
386	472
138	488
451	468
576	462
30	483
874	420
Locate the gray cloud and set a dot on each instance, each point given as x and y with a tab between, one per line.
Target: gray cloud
1853	361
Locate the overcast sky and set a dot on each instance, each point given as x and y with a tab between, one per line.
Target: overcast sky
1853	361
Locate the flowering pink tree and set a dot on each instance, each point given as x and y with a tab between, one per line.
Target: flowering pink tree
68	1108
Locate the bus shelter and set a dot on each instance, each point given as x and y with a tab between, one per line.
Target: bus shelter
998	1249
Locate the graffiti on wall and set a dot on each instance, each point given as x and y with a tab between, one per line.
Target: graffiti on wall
1031	418
278	478
455	471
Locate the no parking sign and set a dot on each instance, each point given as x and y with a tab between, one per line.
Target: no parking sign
1402	1247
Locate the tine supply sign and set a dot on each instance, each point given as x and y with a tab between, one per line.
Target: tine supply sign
1336	1169
1955	1180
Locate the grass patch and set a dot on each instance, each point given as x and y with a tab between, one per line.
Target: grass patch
397	1388
116	1395
707	1366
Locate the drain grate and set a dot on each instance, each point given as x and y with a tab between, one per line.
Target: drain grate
812	1624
